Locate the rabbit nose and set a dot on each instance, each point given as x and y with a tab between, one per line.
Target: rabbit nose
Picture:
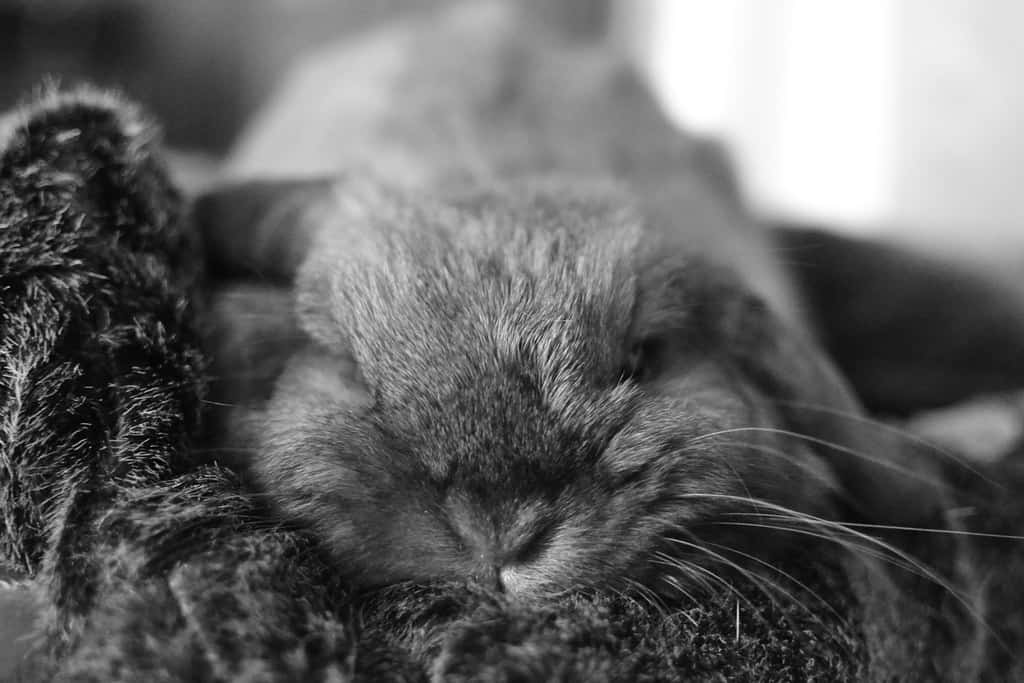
507	578
490	576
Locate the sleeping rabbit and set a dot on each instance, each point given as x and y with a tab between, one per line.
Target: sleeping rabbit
513	327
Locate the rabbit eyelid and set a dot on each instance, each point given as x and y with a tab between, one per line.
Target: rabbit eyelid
644	359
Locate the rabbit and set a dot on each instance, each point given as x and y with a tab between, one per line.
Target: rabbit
534	340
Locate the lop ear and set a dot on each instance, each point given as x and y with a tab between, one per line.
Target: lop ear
256	234
265	229
262	229
885	476
251	331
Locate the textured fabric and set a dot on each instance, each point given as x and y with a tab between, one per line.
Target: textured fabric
156	565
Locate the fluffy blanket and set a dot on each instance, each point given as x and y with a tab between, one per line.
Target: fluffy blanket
150	562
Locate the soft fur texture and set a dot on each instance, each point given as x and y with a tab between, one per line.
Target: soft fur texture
536	228
156	565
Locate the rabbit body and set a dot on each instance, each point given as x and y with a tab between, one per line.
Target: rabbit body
537	342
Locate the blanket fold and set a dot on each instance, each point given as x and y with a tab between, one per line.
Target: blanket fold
101	395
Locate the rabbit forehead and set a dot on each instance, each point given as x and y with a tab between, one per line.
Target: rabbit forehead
421	291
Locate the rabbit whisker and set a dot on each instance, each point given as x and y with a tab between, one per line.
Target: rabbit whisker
675	583
778	452
881	461
650	596
800	584
893	527
789	514
916	567
896	431
757	582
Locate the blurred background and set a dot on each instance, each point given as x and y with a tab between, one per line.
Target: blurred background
874	116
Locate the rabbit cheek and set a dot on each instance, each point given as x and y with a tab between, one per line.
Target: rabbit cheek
392	541
379	525
692	466
335	473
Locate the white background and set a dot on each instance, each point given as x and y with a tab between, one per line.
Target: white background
902	117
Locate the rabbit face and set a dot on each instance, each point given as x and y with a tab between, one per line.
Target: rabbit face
538	391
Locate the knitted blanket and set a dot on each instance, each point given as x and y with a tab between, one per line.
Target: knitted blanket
150	562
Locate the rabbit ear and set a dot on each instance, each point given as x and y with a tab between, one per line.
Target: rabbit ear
251	332
885	476
263	231
262	228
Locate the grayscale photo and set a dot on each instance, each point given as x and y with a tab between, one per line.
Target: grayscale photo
511	340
